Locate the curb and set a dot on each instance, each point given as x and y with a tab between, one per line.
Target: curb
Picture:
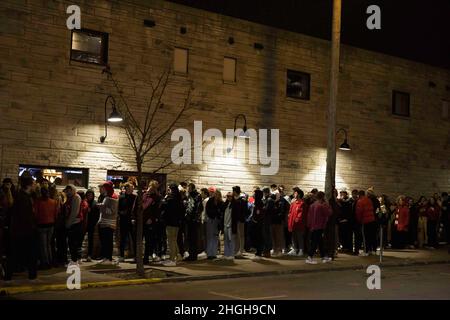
107	284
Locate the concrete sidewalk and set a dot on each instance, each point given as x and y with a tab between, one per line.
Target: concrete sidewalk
93	275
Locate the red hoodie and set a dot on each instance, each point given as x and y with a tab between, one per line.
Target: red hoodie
296	220
46	211
364	210
402	218
318	214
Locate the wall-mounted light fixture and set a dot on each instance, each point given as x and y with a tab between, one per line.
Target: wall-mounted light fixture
344	146
243	134
114	116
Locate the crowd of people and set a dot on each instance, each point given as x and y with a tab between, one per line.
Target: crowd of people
42	228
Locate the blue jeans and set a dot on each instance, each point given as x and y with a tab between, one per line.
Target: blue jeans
212	236
45	249
229	242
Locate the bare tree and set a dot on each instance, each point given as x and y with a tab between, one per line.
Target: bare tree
147	138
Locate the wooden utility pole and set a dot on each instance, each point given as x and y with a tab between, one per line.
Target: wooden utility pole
334	74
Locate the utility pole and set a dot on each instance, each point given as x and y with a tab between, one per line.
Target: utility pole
334	74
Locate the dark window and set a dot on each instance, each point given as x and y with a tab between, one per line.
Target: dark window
89	46
121	177
60	176
400	103
297	85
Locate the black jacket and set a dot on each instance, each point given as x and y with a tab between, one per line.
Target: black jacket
213	210
281	211
194	207
172	211
22	219
240	208
269	208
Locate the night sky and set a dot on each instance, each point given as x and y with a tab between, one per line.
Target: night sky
413	29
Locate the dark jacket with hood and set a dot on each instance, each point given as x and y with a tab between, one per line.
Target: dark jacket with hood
172	209
22	219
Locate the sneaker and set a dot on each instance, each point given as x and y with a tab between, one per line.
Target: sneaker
230	258
186	255
169	263
88	259
121	259
300	253
326	259
293	252
156	259
310	260
256	258
238	255
201	255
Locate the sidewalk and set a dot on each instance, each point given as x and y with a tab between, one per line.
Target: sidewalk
99	276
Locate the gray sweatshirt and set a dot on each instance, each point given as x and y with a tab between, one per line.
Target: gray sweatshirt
74	215
108	213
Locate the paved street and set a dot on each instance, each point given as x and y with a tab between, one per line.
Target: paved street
413	282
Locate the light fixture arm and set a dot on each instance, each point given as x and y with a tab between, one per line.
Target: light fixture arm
245	121
103	138
240	115
345	133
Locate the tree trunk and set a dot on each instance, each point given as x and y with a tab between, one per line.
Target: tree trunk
139	222
334	74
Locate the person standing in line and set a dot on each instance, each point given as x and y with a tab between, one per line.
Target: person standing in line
240	207
356	226
108	222
296	223
214	208
23	232
203	238
422	237
172	213
401	223
73	223
229	222
331	227
281	210
345	222
193	221
269	212
286	234
445	215
411	241
151	204
258	218
92	219
127	205
365	217
318	215
433	215
46	211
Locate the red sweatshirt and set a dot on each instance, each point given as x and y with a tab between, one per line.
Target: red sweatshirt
318	214
295	219
46	211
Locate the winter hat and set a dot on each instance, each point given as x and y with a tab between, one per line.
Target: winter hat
212	189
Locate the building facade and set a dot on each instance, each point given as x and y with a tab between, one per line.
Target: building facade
52	104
